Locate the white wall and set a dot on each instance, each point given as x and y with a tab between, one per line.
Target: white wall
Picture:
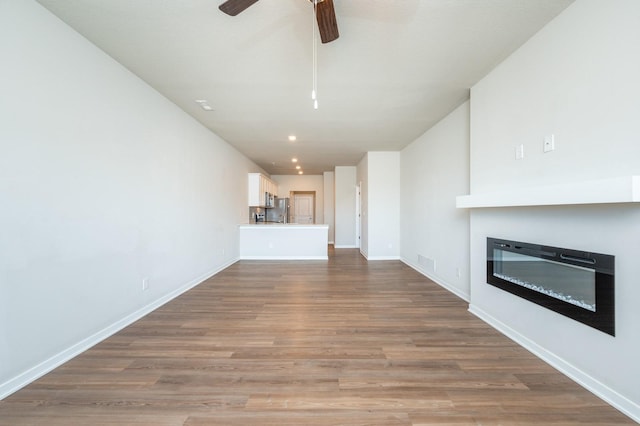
345	193
580	87
379	173
329	203
288	183
434	234
362	179
577	79
103	182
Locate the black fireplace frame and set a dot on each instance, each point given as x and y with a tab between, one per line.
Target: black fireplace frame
603	265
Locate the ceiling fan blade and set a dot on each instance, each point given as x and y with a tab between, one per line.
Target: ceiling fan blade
233	7
327	24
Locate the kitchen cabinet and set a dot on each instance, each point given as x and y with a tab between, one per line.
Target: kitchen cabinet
259	185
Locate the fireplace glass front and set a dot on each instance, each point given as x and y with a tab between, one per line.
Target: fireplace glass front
574	283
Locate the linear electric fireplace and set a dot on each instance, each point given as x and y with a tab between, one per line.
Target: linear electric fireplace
577	284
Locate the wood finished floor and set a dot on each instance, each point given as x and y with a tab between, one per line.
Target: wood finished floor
343	342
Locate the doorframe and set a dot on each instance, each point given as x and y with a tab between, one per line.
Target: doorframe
358	213
292	195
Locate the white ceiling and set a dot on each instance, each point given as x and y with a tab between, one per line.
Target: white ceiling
398	67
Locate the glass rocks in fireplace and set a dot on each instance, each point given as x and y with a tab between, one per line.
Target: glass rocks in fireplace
574	283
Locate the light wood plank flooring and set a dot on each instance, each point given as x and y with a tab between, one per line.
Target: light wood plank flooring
343	342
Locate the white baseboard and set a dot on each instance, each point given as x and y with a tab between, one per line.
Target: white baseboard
439	281
594	386
382	257
345	246
34	373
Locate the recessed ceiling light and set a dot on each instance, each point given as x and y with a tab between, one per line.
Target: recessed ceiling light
300	172
294	160
292	138
298	167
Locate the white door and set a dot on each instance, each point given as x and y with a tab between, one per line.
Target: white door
303	208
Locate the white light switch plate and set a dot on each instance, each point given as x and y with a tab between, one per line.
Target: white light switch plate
549	143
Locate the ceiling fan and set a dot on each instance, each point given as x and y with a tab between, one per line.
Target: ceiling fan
325	15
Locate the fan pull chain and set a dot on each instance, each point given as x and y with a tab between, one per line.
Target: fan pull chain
314	90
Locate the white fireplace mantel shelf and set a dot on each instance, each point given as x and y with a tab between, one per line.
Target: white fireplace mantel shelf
603	191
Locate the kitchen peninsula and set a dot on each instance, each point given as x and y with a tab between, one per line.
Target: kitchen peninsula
278	241
270	235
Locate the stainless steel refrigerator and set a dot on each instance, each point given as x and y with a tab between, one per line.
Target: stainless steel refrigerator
279	212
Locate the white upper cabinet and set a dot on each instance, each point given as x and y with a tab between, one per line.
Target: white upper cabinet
259	186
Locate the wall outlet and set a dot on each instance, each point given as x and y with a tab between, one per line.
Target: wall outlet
223	252
520	152
145	284
549	143
458	272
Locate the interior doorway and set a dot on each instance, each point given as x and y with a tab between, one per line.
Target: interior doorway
303	206
358	214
